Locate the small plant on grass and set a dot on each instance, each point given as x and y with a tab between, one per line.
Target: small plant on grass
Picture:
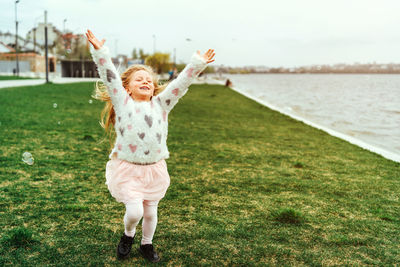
288	216
19	237
88	137
298	165
387	218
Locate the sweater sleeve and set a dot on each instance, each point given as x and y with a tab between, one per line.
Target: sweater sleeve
169	97
109	76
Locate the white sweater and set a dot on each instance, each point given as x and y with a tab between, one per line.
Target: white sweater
142	127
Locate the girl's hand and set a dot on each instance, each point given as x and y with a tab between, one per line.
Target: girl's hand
94	41
208	56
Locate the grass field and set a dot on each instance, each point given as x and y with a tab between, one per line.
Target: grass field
4	78
249	187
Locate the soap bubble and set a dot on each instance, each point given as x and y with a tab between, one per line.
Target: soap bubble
27	158
55	105
90	101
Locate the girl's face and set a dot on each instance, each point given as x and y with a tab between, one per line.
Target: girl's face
141	86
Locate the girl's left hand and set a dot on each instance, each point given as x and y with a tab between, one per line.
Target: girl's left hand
208	56
94	41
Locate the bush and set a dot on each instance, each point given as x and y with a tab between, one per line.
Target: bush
289	216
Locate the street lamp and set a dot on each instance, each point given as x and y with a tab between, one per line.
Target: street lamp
46	47
174	57
16	39
65	20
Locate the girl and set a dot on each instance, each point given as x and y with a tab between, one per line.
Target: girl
136	173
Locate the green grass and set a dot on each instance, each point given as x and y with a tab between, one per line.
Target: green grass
14	78
249	187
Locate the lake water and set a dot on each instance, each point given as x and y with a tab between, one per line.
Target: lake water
359	106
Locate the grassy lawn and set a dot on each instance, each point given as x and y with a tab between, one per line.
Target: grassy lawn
5	78
249	187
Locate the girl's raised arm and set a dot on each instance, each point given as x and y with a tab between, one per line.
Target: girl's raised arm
108	73
178	87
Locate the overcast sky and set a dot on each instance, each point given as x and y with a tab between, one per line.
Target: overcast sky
285	33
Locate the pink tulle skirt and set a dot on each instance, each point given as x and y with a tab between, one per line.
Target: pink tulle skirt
127	181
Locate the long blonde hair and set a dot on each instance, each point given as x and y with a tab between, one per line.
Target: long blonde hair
108	113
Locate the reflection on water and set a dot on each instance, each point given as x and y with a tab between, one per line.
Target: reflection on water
366	107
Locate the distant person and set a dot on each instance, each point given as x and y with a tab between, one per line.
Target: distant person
228	83
138	108
171	75
174	73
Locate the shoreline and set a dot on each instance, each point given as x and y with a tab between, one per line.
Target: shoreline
383	152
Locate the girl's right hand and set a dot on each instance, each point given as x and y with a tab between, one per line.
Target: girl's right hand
94	41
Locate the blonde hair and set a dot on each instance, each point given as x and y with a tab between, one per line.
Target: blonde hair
108	113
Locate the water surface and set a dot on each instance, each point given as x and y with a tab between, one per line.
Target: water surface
366	107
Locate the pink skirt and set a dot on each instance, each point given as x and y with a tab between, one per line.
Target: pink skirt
128	181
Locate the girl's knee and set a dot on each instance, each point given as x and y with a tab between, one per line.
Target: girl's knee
150	215
134	211
150	210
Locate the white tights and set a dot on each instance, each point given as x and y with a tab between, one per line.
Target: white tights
134	212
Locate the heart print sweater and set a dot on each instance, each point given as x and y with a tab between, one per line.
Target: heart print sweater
142	127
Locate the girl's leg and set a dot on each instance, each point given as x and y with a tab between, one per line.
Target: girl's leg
133	214
149	223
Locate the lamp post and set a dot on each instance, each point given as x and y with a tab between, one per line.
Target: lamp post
65	20
46	47
174	57
16	39
64	36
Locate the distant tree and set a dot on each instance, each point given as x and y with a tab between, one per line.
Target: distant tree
142	55
60	49
76	48
80	49
180	66
134	54
160	62
209	69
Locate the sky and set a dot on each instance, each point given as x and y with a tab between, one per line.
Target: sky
285	33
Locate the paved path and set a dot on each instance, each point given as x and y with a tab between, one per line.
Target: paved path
28	82
74	80
16	83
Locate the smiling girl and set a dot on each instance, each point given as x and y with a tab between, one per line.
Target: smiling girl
138	108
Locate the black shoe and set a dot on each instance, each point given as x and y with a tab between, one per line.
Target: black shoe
124	246
148	252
